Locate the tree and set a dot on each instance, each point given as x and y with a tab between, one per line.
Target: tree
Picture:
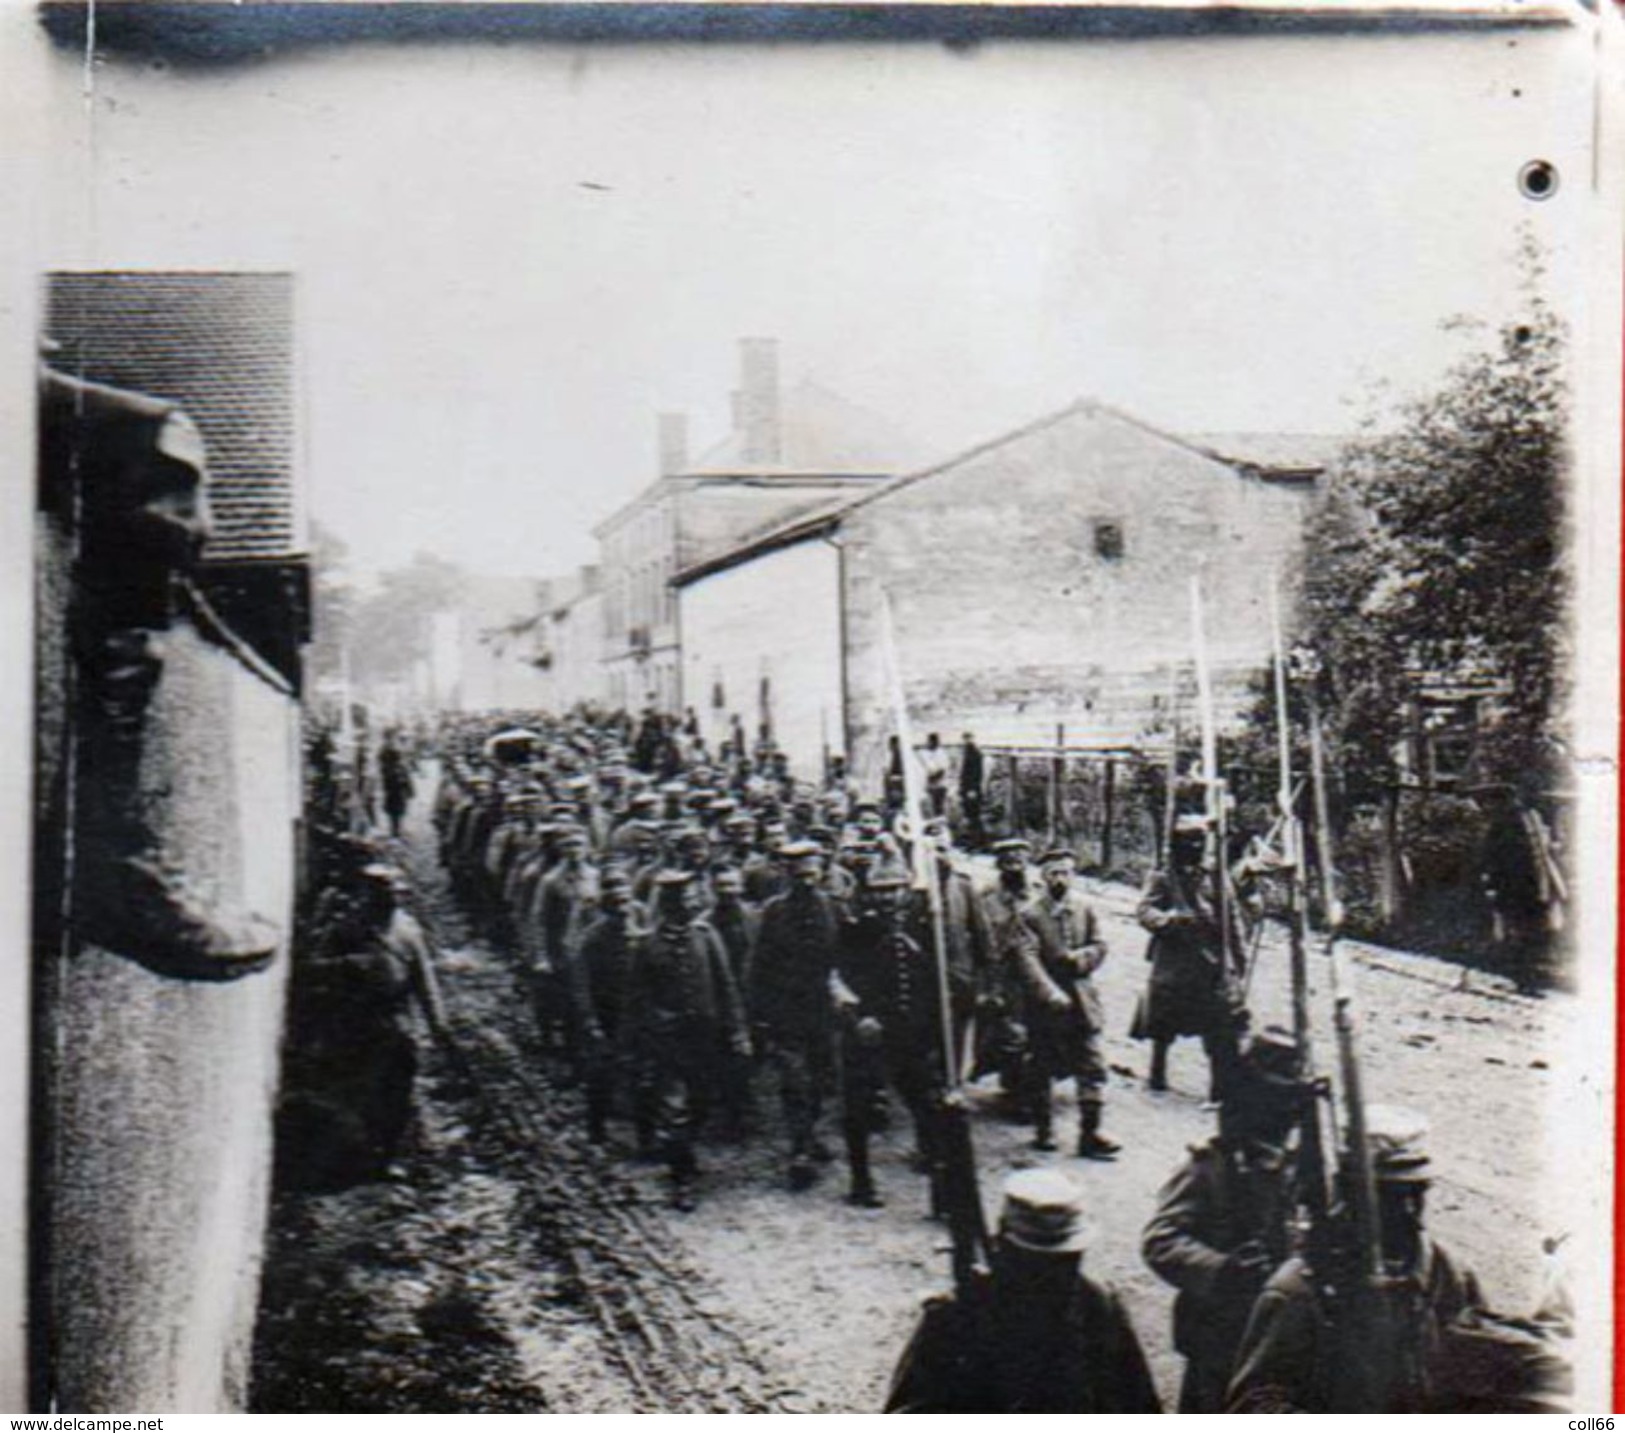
1440	552
392	625
333	599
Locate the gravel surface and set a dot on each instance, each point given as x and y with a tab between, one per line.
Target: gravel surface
510	1266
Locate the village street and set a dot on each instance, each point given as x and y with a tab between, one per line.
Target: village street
510	1265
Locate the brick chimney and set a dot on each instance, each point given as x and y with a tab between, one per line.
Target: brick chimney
673	430
756	403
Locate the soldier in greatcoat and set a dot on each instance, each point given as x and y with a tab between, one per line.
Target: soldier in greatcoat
795	955
683	1008
1063	1010
1193	988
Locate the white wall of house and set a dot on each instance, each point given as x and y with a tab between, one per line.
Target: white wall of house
775	619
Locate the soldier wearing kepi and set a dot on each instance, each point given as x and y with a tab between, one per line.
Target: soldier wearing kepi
1220	1229
1037	1335
885	992
795	955
1304	1353
683	1007
598	971
738	923
1064	1017
1003	1039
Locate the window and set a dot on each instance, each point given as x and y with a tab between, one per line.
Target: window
1109	540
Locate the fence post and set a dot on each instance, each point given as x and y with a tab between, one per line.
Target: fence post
1108	803
1012	796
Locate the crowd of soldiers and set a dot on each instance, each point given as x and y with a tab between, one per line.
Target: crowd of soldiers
696	928
691	930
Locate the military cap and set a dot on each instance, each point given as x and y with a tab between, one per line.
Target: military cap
798	850
673	876
688	833
740	821
1396	1140
1056	854
644	800
1190	824
569	831
866	808
1043	1212
722	805
1273	1053
1011	846
821	834
699	798
886	877
577	783
673	788
615	878
728	878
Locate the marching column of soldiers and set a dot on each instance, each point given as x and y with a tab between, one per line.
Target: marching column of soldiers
696	931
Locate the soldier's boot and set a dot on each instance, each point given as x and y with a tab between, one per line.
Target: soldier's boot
1091	1143
128	896
1043	1118
862	1194
1159	1066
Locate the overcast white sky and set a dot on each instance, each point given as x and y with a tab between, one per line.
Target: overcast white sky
1227	234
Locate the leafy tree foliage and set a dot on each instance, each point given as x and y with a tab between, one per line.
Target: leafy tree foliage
1439	553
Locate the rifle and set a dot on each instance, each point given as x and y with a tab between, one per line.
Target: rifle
960	1194
1311	1151
1217	856
1352	1256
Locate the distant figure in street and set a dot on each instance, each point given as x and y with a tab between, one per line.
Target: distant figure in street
896	790
1524	885
1037	1335
934	763
395	774
972	785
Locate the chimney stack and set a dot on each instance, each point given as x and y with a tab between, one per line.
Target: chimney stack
673	428
756	404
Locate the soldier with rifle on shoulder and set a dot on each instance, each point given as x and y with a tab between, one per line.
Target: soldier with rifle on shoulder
1035	1334
1221	1226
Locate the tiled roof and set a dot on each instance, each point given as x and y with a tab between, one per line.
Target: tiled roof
221	346
1270	452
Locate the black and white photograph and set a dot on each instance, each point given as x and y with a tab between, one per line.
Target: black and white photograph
810	708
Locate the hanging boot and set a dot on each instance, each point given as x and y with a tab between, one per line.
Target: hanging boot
128	897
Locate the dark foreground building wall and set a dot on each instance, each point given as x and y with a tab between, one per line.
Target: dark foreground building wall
166	807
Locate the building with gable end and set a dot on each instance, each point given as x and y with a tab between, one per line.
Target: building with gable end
1041	578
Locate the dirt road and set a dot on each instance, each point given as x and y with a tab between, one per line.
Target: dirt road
509	1265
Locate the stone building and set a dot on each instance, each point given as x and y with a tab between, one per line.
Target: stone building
789	451
1037	580
572	640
